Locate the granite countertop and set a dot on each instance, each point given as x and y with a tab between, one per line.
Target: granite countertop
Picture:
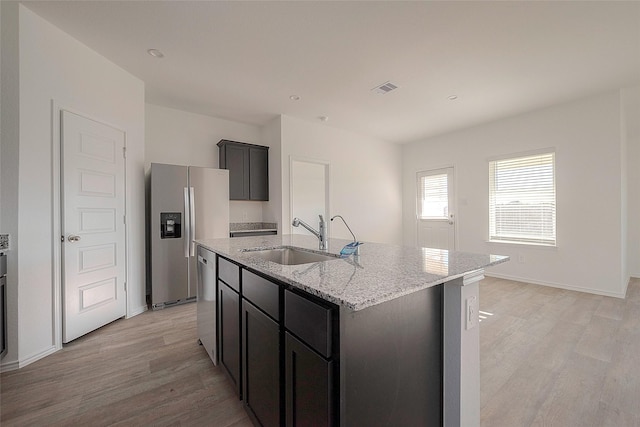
380	273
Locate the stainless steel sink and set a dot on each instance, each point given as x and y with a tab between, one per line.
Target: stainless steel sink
291	256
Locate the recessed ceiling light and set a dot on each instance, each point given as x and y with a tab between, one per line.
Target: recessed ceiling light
323	118
294	98
452	97
155	53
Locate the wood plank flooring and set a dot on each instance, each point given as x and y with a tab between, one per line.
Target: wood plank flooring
549	357
143	371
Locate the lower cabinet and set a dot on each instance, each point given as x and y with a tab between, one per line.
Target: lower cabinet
229	341
279	348
261	365
308	385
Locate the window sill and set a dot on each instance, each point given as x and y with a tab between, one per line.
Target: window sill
524	244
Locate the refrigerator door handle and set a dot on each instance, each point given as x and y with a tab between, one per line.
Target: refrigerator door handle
192	220
187	223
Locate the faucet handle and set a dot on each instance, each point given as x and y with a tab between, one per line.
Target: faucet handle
321	218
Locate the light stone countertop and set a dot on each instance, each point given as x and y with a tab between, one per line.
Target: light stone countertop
380	273
251	227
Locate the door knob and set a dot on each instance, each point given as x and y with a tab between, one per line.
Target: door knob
73	238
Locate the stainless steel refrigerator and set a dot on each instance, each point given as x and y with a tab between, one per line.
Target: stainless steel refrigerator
187	203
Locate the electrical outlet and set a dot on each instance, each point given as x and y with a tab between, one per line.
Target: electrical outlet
472	312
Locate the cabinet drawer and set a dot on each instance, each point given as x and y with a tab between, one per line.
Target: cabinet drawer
229	273
309	321
263	293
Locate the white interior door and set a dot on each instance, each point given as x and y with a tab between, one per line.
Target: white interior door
93	225
436	210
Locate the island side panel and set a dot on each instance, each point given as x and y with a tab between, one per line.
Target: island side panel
391	362
462	351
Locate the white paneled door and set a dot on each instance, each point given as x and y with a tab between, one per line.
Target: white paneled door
435	209
93	225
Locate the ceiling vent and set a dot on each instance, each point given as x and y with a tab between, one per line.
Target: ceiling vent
385	88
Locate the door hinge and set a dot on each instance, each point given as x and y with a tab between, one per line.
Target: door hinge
124	152
124	219
125	286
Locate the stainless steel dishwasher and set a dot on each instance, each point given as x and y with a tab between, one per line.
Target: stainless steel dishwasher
206	303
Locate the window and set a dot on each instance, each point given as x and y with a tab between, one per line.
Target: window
522	200
433	197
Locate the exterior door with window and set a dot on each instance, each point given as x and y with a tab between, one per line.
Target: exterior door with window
436	210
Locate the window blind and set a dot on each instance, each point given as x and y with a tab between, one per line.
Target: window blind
434	197
522	199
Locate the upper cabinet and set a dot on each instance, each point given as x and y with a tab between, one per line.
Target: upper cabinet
248	167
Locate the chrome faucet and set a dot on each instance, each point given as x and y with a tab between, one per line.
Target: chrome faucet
321	234
357	252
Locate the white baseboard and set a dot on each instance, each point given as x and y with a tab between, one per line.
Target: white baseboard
18	364
9	366
626	286
557	285
21	363
139	310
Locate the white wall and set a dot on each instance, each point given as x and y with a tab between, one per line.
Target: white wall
57	70
631	128
272	136
586	135
365	181
183	138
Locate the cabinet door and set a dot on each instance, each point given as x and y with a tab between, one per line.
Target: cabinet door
261	365
258	174
237	162
229	310
308	386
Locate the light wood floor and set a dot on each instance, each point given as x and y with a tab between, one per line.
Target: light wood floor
145	371
549	357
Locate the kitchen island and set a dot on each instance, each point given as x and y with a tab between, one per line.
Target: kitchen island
389	337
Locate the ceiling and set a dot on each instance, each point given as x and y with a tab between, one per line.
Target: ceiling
243	60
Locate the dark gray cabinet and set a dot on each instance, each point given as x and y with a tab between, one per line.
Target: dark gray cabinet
261	365
261	354
3	326
229	320
309	383
248	166
280	349
229	312
3	304
309	362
